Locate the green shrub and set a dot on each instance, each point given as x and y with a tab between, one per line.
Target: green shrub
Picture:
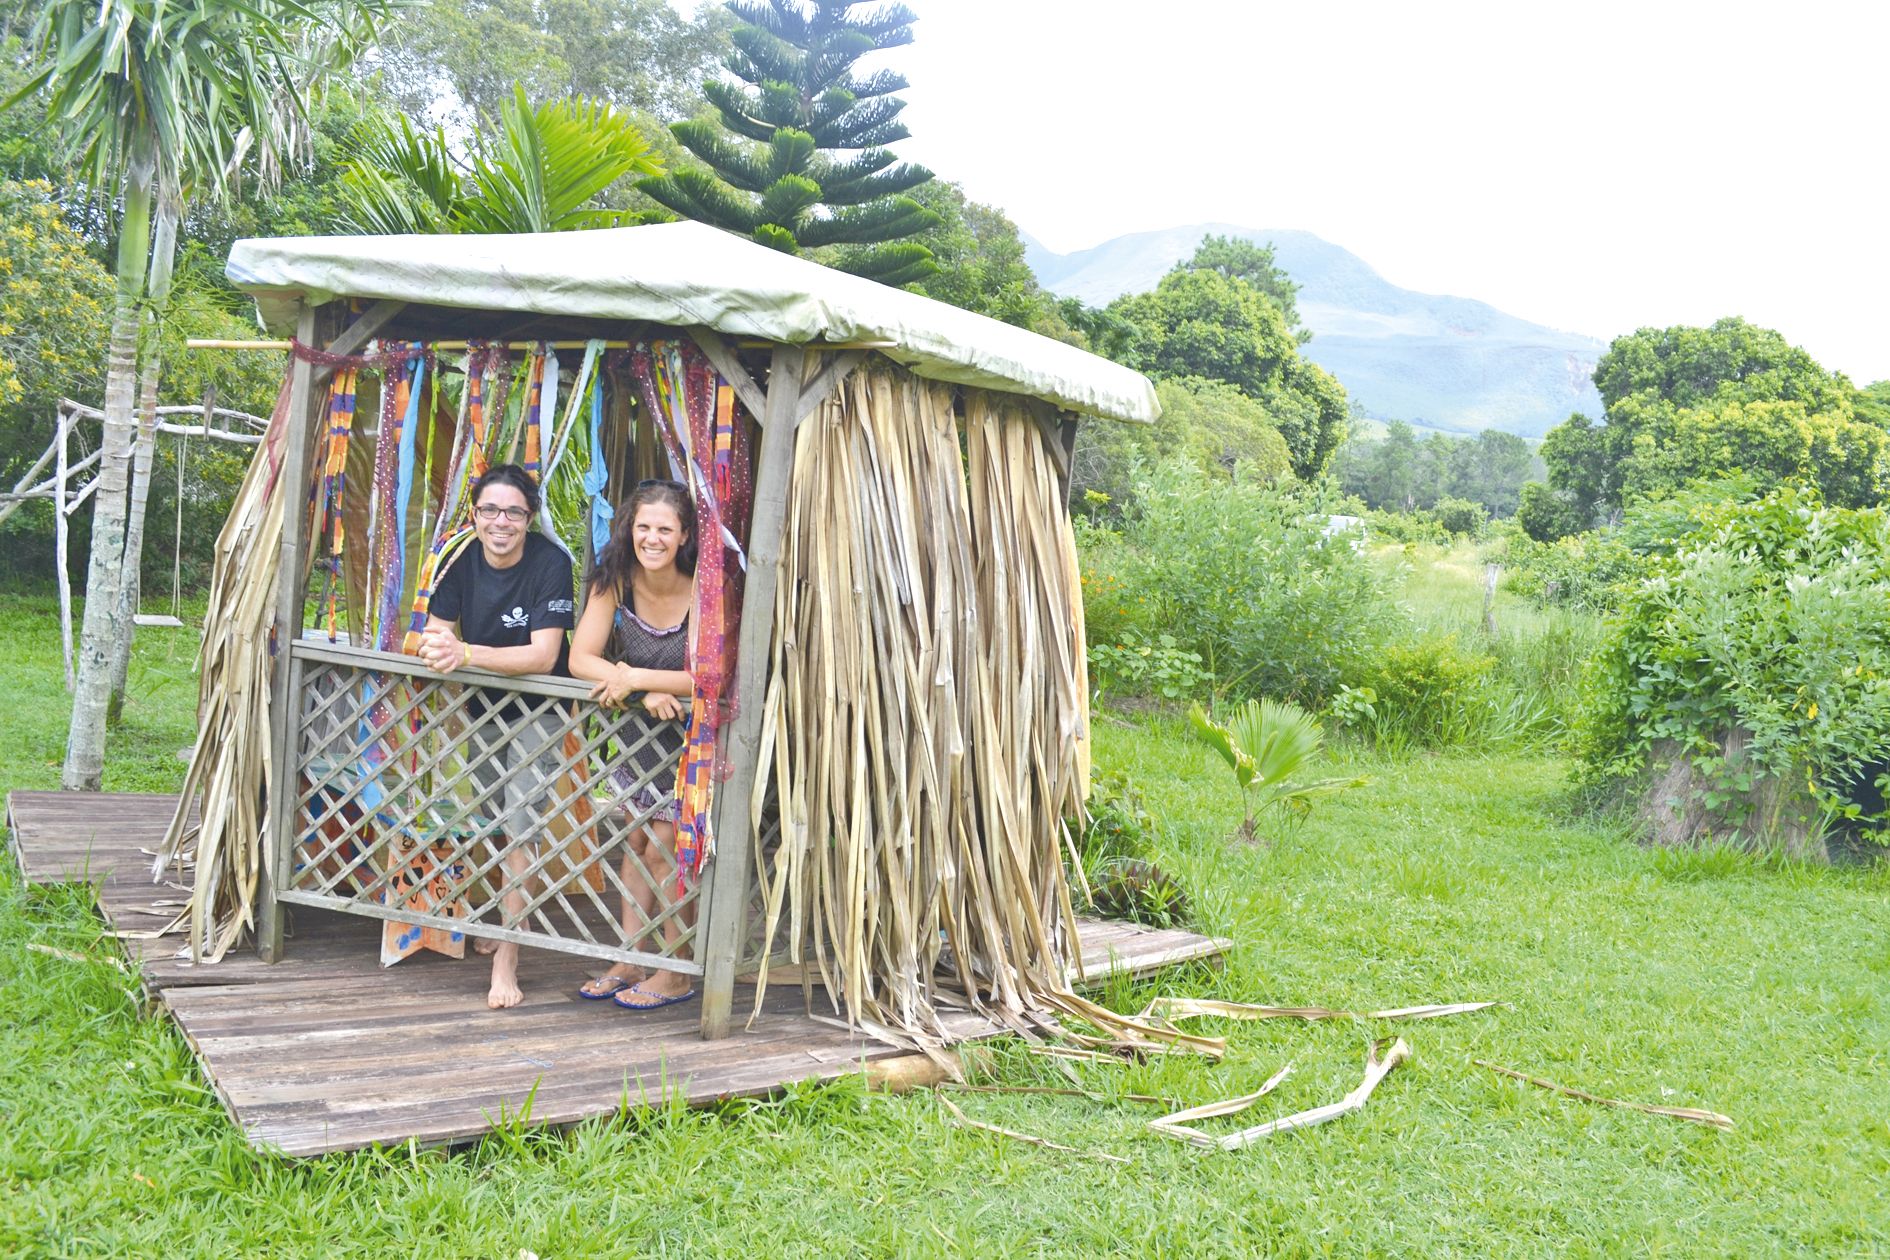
1770	626
1460	517
1589	570
1580	571
1430	691
1405	527
1137	666
1242	575
1115	847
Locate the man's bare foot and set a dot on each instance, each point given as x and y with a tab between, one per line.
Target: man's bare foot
620	976
505	991
485	947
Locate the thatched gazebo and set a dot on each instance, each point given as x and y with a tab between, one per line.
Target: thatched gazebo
884	746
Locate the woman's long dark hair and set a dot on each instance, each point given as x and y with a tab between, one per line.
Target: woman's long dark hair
617	563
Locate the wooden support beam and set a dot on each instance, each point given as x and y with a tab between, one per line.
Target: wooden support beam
291	590
298	445
357	334
722	355
832	374
726	916
1066	450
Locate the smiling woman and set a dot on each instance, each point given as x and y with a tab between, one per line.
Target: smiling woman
635	638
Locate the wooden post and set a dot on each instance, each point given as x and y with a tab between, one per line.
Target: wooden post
291	592
1490	573
62	529
725	917
1066	465
298	444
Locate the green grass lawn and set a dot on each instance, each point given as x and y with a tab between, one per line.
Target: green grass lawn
1754	989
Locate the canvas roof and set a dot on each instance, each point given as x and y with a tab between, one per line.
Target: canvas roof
683	274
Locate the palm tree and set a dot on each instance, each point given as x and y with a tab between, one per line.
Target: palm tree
160	96
541	171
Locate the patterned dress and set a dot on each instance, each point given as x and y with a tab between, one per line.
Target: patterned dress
640	645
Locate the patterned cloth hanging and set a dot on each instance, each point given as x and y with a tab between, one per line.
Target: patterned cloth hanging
453	530
341	396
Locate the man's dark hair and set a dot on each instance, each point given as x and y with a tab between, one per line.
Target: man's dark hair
508	475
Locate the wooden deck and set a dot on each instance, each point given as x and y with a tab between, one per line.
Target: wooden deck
327	1051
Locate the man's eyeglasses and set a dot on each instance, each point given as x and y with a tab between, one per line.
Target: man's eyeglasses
490	512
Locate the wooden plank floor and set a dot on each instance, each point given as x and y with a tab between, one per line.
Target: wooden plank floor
328	1051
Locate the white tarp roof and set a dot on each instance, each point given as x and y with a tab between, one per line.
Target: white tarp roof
683	274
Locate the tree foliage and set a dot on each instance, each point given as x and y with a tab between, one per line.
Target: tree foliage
641	56
1214	427
1203	324
1240	259
771	170
981	263
1684	404
55	311
1400	473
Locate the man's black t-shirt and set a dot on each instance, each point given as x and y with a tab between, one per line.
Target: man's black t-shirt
501	607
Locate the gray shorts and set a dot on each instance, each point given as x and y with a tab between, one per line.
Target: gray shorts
520	764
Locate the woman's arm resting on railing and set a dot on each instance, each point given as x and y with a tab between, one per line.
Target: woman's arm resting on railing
615	682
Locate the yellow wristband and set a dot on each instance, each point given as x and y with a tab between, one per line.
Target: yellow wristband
467	648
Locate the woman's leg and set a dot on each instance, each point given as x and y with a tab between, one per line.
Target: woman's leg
658	852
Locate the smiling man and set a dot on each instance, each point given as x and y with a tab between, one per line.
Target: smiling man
506	605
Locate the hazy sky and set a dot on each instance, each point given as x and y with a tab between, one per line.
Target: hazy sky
1596	167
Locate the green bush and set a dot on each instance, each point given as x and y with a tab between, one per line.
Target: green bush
1770	624
1580	571
1460	517
1137	666
1242	575
1404	527
1115	846
1589	570
1430	691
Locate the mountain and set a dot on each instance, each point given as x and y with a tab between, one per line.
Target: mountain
1449	363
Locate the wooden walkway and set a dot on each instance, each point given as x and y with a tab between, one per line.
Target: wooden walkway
328	1051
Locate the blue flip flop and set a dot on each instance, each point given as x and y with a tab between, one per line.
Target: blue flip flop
617	985
660	1002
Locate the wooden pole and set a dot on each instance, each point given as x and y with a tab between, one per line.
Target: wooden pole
726	915
298	444
1490	573
298	452
62	529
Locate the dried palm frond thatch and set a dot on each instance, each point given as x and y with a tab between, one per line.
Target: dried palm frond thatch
229	770
926	720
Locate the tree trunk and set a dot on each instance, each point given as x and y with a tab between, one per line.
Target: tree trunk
85	741
130	578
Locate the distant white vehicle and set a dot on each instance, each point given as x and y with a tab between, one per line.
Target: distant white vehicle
1349	527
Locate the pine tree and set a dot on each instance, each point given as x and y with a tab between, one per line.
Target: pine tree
772	173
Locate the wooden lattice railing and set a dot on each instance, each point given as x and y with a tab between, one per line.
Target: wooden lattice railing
477	803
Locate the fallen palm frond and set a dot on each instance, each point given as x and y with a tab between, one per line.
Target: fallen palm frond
964	1121
927	730
1376	1069
1175	1124
73	955
1171	1009
1056	1091
1694	1114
